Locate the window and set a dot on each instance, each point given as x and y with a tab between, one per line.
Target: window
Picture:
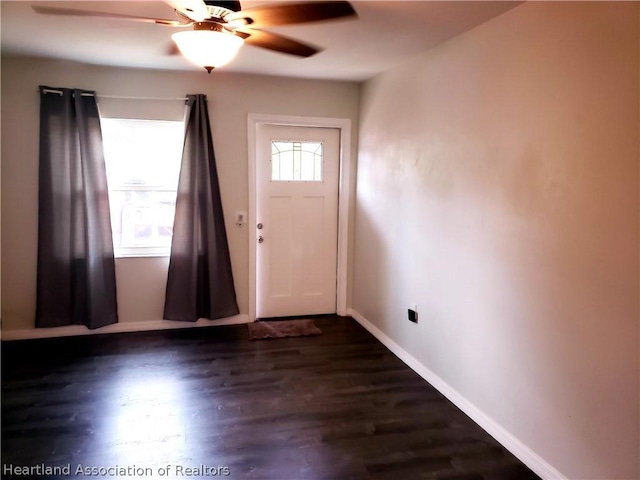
143	165
296	161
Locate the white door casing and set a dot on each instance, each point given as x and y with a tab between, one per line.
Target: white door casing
256	123
297	215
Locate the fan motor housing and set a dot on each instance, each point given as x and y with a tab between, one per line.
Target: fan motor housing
209	25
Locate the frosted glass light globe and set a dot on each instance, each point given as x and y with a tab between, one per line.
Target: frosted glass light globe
207	48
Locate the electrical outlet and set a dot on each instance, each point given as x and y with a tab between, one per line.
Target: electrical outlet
412	313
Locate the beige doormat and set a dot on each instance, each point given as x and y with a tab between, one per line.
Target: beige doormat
282	329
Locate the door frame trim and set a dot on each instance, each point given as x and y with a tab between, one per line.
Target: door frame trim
344	197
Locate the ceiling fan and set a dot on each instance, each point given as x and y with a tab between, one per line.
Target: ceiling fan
221	27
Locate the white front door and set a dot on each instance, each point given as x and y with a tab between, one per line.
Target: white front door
297	173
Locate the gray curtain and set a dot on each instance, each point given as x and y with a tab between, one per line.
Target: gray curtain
200	282
76	273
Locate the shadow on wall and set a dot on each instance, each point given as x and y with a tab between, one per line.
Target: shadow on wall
371	295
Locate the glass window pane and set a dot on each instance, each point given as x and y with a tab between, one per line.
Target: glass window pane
143	166
142	152
142	218
296	161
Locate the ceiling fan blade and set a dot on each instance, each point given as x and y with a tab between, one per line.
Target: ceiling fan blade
278	43
115	16
194	9
286	14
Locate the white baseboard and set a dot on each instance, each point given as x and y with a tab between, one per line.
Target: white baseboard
75	330
506	439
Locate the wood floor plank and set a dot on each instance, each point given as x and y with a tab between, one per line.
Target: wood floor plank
336	406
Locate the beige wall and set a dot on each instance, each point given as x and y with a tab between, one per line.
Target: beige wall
498	189
141	282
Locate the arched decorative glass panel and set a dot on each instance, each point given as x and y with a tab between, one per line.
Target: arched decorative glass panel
296	161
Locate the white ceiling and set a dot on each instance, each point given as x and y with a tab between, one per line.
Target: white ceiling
384	33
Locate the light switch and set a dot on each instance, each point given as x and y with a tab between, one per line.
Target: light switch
241	218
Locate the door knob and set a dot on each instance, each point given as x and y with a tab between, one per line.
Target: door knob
259	226
260	239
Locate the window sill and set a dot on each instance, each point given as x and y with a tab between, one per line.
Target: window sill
142	255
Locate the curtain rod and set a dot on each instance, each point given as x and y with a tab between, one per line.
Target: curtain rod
118	97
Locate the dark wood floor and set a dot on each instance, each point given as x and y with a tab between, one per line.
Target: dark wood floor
337	406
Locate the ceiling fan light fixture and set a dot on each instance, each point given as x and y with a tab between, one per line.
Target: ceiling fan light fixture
208	48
